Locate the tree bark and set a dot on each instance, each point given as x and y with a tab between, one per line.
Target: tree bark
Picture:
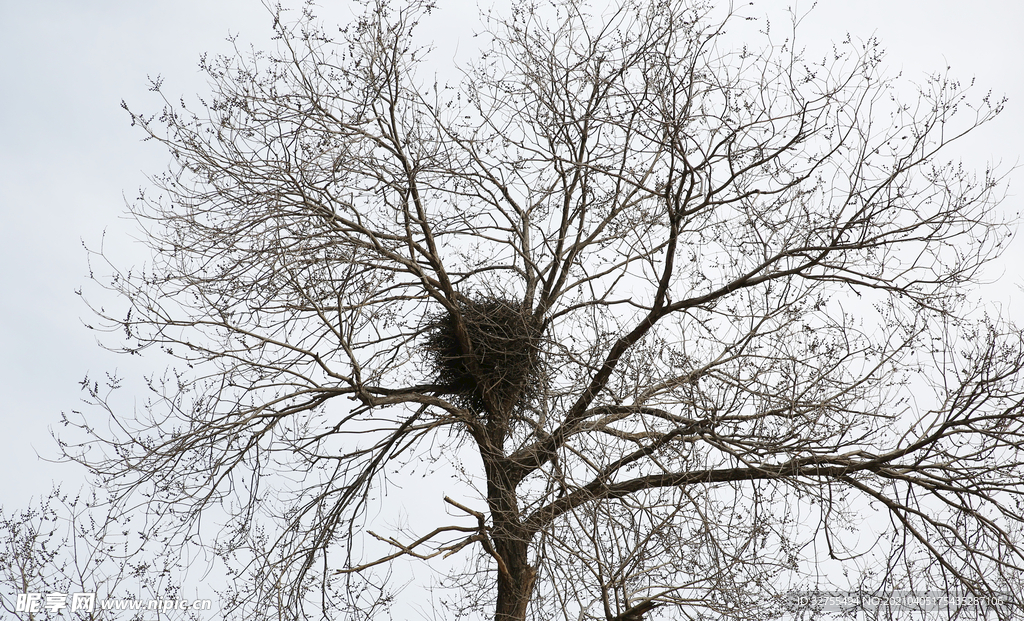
511	543
515	584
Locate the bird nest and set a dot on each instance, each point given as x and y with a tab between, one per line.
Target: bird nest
501	360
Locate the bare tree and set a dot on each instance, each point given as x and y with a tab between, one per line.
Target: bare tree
686	318
62	546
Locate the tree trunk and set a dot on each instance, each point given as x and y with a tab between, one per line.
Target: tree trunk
511	543
515	585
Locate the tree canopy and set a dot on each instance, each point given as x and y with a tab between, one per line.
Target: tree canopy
686	319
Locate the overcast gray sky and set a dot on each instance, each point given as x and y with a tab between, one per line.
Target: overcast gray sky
68	156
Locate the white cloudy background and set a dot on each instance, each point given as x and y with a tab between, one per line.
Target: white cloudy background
68	157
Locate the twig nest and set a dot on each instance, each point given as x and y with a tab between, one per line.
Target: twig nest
501	357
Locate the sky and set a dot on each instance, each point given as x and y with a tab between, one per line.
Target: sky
69	157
